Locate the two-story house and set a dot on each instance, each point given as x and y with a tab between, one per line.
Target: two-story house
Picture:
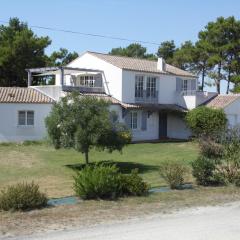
151	97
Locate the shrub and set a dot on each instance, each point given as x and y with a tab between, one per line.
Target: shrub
22	196
203	170
173	173
104	181
206	121
210	148
133	184
97	181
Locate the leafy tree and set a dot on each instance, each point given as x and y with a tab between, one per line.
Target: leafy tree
133	50
201	64
184	56
222	37
62	57
82	123
20	48
205	121
167	50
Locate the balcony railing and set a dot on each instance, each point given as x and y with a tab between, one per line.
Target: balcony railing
83	89
145	96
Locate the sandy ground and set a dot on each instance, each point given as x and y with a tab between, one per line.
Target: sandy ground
202	223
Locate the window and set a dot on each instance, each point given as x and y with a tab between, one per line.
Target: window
87	81
151	86
134	118
184	85
139	86
26	118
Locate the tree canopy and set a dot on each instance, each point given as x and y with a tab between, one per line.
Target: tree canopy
21	48
215	54
84	122
133	50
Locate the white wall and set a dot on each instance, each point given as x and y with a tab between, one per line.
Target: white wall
176	127
9	129
151	133
232	112
52	91
113	74
166	87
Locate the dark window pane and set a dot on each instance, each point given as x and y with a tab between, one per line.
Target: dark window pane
21	118
30	118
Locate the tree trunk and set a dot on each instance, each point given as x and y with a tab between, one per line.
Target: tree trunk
86	158
203	76
219	77
228	85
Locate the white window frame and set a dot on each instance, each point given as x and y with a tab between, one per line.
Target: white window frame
87	80
139	86
185	85
151	86
134	120
26	120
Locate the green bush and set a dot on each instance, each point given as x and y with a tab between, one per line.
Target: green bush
97	181
104	181
203	170
210	148
206	121
173	173
22	196
133	184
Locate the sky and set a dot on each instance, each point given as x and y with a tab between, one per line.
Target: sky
145	20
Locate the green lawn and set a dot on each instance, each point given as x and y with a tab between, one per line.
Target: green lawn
53	169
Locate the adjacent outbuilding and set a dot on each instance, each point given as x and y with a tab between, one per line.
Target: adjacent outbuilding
22	114
231	106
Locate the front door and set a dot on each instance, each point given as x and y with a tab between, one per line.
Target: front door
162	125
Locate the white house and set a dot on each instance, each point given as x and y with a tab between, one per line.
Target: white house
22	114
151	97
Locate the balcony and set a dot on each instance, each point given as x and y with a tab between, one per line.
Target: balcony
83	89
144	96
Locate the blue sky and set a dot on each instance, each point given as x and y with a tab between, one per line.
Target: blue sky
147	20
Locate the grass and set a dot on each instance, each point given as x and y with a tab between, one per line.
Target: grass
53	169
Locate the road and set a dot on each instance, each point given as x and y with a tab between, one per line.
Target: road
203	223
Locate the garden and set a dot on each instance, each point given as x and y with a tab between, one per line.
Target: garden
137	178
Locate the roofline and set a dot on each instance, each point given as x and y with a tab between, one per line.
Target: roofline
36	89
162	73
232	101
46	69
158	73
237	95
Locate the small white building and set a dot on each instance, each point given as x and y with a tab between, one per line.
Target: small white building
151	97
22	114
230	105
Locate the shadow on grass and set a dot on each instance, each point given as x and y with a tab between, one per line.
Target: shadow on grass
124	167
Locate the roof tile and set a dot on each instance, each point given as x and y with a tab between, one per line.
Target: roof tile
143	65
221	101
23	95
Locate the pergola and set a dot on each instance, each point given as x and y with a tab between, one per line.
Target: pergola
63	70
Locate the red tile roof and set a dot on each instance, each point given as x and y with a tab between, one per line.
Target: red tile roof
23	95
222	101
142	65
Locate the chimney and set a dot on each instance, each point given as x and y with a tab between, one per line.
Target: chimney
161	65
